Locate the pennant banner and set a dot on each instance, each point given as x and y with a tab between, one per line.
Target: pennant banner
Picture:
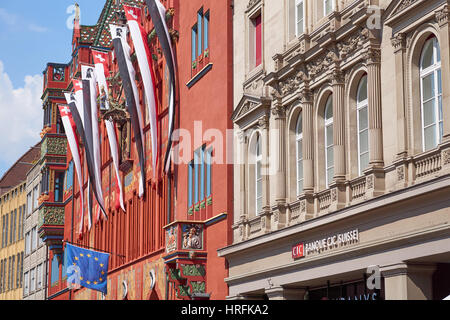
70	129
139	38
92	130
128	74
158	15
101	61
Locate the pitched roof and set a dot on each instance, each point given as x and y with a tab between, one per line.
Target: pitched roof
17	173
99	34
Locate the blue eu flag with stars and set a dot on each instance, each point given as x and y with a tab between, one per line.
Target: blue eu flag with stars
87	268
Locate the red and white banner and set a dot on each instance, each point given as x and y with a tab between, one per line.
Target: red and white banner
128	74
158	14
101	61
88	76
70	129
139	38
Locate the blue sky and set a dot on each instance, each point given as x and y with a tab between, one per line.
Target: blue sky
32	33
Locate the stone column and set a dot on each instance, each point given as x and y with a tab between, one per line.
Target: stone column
242	162
338	85
375	173
280	293
399	44
266	212
442	17
408	282
278	165
308	144
338	188
307	203
374	99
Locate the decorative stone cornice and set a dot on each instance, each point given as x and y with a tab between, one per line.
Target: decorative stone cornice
251	4
399	41
263	122
306	96
337	77
442	16
278	111
373	56
405	4
353	43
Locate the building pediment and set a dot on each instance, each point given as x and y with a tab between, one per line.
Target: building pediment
401	10
250	108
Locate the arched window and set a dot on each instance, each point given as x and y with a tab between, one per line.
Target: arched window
258	175
431	94
329	156
299	153
363	125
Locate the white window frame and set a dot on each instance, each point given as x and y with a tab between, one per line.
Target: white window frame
26	285
325	13
32	280
328	123
298	159
39	277
360	105
434	70
297	20
258	182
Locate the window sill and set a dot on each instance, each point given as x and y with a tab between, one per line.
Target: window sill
199	75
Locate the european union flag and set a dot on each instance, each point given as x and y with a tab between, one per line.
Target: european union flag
87	268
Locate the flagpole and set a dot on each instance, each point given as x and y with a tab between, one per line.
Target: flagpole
87	247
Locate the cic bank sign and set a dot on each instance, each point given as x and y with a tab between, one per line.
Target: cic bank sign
331	242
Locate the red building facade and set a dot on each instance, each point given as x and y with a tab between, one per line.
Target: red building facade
165	245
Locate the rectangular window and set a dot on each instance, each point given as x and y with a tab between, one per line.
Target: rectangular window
196	176
208	172
11	228
202	173
199	30
39	277
258	40
328	7
206	31
194	42
59	190
35	197
26	284
29	203
13	261
3	231
190	183
27	243
6	230
15	225
32	280
19	262
1	276
299	17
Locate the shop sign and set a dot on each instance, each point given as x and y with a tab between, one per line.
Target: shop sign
335	241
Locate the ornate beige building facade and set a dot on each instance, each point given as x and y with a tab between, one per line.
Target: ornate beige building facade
342	150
